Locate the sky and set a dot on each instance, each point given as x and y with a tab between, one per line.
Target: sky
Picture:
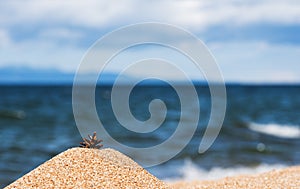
252	41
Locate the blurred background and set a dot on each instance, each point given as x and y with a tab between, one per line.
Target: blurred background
256	45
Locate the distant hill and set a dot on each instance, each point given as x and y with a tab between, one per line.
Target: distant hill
31	76
26	75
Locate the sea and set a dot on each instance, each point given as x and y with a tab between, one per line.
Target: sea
260	132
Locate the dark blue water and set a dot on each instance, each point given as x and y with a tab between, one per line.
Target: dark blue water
261	128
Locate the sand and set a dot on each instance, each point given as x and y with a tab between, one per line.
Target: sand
88	168
288	178
107	168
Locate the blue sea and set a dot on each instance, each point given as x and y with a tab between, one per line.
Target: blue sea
261	130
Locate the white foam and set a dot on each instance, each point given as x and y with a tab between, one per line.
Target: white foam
189	171
283	131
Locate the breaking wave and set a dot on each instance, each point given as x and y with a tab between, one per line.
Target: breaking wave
282	131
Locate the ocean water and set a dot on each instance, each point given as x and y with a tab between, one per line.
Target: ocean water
261	130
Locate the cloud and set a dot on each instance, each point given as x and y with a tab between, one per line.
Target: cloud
89	13
282	77
40	54
257	61
4	38
50	34
243	61
60	33
192	14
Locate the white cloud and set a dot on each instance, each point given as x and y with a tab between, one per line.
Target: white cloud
4	38
242	61
190	14
252	61
91	13
256	61
282	76
41	54
60	33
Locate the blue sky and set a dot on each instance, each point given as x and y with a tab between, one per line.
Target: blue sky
252	41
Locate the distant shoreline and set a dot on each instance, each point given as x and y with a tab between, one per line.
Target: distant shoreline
70	84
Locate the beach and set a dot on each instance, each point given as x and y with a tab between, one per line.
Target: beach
37	123
288	178
182	94
108	168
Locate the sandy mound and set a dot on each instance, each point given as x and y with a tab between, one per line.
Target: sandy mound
88	168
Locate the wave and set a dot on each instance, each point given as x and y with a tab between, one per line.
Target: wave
283	131
189	171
